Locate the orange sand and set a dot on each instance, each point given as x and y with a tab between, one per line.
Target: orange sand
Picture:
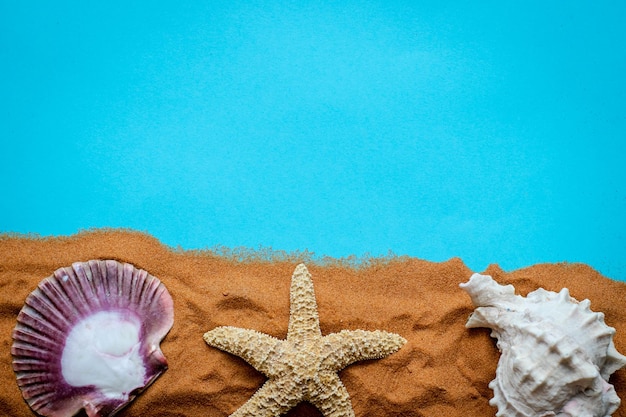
443	370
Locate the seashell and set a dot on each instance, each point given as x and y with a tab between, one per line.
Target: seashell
88	338
556	354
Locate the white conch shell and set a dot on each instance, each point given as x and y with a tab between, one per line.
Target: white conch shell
557	354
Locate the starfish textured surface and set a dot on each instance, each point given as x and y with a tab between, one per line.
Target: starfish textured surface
304	366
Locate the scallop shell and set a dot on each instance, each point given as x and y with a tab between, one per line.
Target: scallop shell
556	354
88	338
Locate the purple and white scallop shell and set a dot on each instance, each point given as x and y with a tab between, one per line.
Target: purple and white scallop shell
88	338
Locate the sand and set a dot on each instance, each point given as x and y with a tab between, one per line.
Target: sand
443	370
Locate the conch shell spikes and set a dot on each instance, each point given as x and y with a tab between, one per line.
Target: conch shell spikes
556	354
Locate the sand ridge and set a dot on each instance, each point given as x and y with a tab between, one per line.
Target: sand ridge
443	369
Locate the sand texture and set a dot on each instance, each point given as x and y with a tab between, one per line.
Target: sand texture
443	370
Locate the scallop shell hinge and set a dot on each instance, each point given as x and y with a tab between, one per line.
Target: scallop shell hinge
556	354
88	338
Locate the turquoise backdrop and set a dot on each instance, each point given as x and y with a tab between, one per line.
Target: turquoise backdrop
492	131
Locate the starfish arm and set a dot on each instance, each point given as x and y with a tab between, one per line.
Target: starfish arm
349	346
331	396
304	322
252	346
274	398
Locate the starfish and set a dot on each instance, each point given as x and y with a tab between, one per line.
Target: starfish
304	366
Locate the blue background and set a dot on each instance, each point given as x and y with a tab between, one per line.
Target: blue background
493	131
